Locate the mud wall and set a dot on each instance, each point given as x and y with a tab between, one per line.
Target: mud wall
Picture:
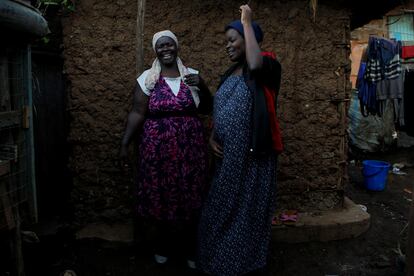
99	43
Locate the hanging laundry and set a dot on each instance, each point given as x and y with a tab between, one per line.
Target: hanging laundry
407	64
366	93
383	74
393	90
407	54
407	49
383	59
409	103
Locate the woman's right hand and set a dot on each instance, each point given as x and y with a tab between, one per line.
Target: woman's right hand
123	155
217	148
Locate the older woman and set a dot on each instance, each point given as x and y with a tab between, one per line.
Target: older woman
235	224
172	161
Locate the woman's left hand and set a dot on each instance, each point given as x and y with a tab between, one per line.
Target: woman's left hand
192	79
246	14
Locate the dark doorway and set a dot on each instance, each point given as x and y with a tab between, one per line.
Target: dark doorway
50	134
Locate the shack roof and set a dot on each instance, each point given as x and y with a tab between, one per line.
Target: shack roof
20	18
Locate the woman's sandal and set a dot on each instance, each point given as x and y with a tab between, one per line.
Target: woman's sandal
191	264
160	259
276	221
289	217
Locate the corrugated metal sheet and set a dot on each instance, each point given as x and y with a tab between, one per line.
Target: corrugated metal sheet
401	27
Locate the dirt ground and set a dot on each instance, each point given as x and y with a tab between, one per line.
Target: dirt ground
373	253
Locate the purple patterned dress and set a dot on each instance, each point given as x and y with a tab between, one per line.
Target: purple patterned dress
172	156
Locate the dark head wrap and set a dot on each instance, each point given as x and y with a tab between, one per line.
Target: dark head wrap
238	26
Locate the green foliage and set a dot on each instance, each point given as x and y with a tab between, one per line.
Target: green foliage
52	8
69	5
45	39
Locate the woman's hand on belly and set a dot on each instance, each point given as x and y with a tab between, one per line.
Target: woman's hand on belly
216	147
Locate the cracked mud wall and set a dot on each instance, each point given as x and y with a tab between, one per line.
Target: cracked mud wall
99	52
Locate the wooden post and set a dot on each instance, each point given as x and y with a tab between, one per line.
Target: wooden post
139	231
4	84
5	139
410	246
28	133
140	36
139	66
16	245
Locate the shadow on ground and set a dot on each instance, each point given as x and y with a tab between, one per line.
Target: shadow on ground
373	253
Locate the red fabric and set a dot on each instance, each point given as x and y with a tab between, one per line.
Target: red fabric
407	51
270	94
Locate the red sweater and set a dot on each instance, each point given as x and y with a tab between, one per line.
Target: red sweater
271	94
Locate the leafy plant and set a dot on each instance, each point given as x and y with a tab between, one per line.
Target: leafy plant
43	5
53	8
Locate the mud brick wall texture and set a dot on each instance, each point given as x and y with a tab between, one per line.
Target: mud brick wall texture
99	52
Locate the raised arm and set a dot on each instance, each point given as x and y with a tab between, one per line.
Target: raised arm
136	118
253	57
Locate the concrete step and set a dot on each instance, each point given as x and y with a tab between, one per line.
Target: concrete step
123	233
348	222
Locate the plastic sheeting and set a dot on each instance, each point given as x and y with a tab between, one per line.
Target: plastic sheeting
370	133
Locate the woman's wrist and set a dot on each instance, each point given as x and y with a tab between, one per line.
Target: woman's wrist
124	143
246	22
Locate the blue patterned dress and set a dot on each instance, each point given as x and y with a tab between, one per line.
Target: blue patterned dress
235	225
